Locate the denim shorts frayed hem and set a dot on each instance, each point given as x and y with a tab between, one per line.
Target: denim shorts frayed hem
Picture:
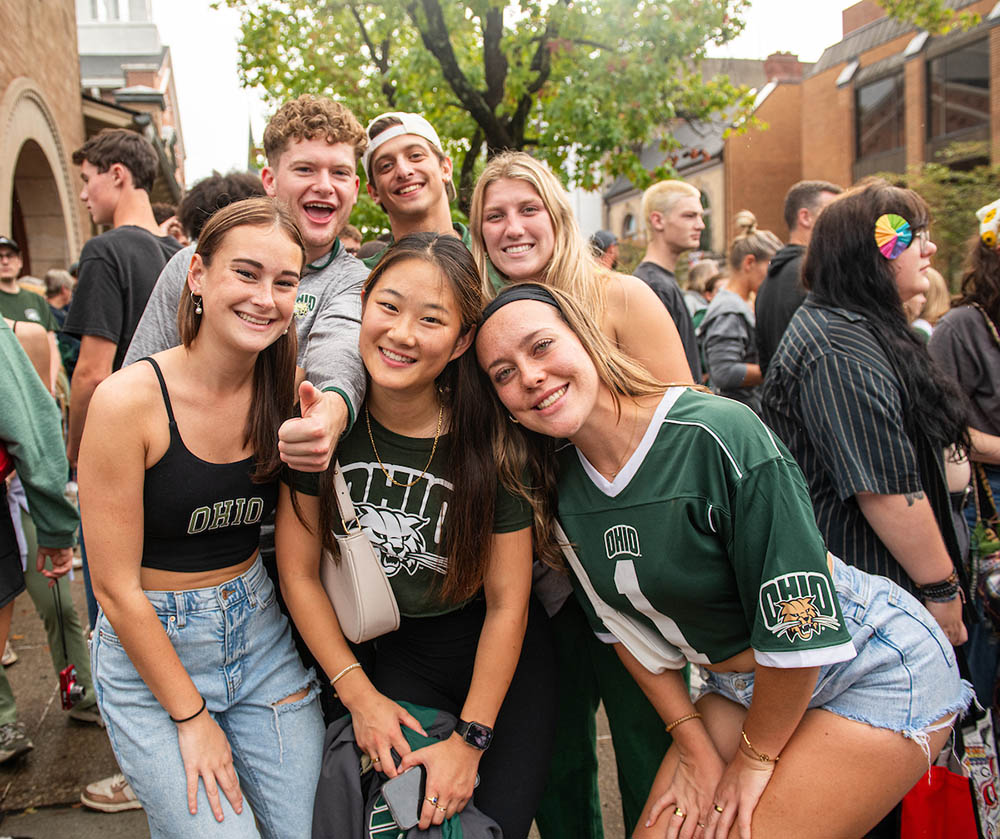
904	676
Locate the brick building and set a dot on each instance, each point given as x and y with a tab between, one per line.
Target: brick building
41	123
886	96
732	172
889	95
127	79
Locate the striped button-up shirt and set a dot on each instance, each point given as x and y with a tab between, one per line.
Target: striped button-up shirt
832	396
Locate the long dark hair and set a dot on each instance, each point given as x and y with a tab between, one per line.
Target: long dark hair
471	468
981	280
844	268
274	369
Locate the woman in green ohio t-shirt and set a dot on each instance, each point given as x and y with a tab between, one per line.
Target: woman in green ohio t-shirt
827	690
454	543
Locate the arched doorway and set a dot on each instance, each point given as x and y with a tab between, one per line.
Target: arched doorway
36	213
38	205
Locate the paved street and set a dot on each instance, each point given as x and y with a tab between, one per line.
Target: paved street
40	792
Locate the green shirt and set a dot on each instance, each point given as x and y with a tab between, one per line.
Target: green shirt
406	524
706	538
26	305
457	226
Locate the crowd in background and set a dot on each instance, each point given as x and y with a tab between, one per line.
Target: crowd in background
479	385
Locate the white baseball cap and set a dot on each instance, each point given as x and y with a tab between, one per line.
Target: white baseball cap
408	124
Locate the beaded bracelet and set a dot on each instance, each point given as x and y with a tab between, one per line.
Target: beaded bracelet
941	591
695	716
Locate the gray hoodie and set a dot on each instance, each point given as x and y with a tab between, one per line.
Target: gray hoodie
728	336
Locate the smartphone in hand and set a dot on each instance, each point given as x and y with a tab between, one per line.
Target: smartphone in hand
404	795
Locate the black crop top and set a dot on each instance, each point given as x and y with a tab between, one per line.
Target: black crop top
200	516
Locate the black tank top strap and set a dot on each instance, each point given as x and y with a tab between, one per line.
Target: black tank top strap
163	389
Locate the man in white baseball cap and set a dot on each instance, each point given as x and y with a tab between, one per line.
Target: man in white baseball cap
409	176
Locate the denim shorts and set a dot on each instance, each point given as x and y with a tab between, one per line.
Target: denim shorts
237	648
904	676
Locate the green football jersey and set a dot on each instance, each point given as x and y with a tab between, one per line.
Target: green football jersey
406	525
706	538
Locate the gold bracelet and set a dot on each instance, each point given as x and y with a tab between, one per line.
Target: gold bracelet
695	716
344	672
763	758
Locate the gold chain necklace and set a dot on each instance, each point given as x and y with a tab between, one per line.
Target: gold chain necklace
628	448
388	477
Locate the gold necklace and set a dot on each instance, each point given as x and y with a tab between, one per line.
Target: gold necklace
628	448
388	477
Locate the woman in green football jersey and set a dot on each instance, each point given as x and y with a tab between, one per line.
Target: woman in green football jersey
827	690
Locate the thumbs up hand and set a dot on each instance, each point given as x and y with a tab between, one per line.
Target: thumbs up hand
307	443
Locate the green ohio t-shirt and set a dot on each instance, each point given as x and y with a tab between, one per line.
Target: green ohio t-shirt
407	524
26	305
706	538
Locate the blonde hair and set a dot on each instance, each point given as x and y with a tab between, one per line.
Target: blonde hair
661	198
700	273
749	241
572	268
938	298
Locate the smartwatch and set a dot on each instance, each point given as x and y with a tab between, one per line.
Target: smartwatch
475	734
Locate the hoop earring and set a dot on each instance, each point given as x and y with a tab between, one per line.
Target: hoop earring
513	420
197	304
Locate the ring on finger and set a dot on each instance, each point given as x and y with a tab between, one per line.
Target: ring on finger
701	824
678	812
376	759
439	807
433	799
718	809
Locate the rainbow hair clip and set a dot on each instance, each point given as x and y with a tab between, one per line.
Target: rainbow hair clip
892	235
989	220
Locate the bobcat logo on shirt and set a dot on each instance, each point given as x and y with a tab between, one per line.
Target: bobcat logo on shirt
621	539
798	606
304	304
397	538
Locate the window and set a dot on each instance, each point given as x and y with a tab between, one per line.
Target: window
705	242
879	116
958	91
628	226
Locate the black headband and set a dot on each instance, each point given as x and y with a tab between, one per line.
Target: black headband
518	291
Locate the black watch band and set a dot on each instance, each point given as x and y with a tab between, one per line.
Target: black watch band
476	734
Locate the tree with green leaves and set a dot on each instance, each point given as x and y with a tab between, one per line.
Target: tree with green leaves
580	84
936	16
953	195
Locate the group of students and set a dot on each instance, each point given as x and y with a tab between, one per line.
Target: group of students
563	515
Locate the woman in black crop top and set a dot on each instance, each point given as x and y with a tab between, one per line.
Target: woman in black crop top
195	670
455	545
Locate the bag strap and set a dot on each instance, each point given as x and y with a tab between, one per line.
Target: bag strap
992	327
348	516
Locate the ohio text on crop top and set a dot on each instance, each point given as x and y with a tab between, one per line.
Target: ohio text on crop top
200	516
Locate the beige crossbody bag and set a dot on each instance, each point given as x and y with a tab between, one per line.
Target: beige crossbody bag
357	585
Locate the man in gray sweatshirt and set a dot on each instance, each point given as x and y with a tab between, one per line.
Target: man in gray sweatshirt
312	145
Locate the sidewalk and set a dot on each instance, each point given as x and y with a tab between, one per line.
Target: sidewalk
40	792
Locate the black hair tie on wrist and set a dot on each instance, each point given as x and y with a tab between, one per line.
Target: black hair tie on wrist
195	714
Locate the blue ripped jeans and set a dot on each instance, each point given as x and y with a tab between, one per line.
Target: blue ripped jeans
237	648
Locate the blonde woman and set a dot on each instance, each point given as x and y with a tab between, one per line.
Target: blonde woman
937	302
522	225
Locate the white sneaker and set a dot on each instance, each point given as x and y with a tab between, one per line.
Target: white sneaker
110	795
9	656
